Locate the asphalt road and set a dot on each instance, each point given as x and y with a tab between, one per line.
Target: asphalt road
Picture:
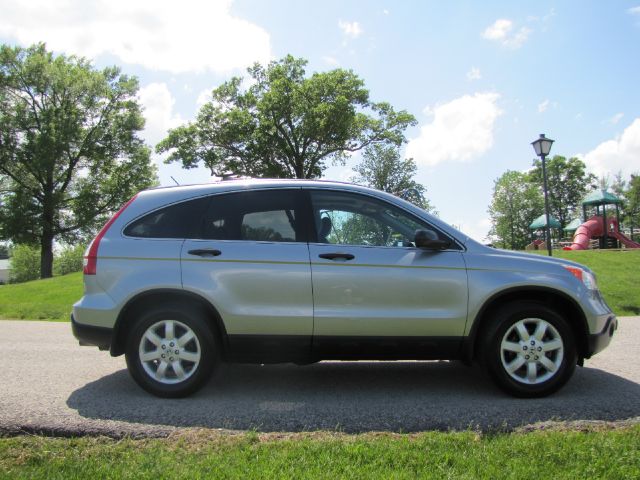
53	386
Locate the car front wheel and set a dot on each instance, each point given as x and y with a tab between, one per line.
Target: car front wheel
529	350
171	351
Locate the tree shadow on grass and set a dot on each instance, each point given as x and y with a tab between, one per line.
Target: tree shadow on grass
631	308
357	397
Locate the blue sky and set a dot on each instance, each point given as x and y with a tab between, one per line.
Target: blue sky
482	78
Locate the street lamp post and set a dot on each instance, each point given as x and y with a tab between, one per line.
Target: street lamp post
542	146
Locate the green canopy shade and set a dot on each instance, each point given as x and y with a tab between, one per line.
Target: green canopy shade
541	221
573	225
601	197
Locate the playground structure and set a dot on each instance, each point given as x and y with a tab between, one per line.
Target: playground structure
594	227
596	231
606	230
539	224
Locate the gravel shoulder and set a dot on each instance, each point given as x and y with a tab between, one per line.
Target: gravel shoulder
55	387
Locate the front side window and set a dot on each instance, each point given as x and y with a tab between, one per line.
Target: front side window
353	219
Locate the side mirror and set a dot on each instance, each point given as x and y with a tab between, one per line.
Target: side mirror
428	239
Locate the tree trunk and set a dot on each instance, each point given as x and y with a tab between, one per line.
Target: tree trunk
46	240
46	255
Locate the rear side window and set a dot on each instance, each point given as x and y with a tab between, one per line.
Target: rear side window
181	220
263	216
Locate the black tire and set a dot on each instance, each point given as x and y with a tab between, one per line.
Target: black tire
504	326
196	373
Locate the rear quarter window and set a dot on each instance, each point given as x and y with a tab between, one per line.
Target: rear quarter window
180	220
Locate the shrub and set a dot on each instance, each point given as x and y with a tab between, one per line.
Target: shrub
69	260
25	264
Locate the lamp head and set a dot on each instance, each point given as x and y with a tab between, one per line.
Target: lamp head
542	145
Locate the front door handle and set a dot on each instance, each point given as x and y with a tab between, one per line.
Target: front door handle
205	252
337	256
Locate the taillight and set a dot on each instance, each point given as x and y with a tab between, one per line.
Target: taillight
90	261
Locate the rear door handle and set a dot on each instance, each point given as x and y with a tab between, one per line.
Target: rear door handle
337	256
205	252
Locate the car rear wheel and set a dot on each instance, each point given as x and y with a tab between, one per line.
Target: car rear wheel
529	350
171	351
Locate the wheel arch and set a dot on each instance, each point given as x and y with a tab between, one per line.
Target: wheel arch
127	315
566	306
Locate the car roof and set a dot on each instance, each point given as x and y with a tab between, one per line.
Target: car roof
243	182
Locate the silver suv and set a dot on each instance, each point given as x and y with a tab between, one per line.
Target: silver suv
267	271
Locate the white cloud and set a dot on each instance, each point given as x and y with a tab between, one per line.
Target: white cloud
351	29
634	10
476	229
203	97
519	38
158	111
615	119
546	104
331	61
620	154
192	35
460	131
499	30
542	107
474	74
385	11
160	117
502	31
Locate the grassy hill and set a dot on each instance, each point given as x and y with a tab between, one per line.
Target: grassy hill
51	299
618	274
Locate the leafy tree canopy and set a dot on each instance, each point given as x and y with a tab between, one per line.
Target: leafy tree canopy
285	124
568	183
516	203
69	146
632	203
383	169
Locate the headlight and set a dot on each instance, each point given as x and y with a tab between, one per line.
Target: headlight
587	278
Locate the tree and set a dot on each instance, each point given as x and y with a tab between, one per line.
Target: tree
286	124
632	206
568	183
68	145
516	203
382	168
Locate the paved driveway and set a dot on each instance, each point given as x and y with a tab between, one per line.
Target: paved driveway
52	385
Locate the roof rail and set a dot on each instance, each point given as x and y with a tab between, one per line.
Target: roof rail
232	176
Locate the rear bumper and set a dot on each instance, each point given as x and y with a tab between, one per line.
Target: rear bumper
599	341
88	335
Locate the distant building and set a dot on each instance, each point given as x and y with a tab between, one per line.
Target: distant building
4	271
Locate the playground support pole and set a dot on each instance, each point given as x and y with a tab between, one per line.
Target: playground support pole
606	227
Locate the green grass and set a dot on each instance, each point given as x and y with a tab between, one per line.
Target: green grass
49	299
542	454
52	299
617	272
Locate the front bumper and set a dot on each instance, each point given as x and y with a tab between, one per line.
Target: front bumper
88	335
597	342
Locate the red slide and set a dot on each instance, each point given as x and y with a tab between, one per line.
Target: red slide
625	240
594	227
